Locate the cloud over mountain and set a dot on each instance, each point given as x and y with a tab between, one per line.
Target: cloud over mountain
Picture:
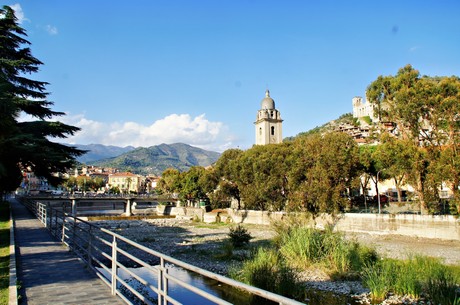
175	128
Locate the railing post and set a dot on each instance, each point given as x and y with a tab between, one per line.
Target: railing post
74	232
160	282
74	206
165	286
114	266
56	223
63	228
90	245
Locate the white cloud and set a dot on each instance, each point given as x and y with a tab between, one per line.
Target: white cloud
52	30
174	128
18	12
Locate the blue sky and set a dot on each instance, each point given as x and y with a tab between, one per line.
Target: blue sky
147	72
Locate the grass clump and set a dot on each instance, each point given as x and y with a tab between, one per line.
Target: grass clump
267	270
4	251
239	236
303	247
414	277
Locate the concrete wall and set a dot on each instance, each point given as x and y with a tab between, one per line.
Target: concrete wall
442	227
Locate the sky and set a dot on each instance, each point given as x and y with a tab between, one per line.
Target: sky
144	72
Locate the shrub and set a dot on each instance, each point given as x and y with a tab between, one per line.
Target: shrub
239	236
267	270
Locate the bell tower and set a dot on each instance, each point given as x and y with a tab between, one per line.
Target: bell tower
268	122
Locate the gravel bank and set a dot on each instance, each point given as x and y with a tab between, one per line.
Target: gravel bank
202	245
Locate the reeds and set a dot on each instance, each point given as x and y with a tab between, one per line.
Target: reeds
303	247
412	277
267	270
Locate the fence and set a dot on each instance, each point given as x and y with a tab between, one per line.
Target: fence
107	253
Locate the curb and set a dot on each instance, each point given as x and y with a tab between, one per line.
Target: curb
13	291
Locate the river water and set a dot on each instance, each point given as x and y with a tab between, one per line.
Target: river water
230	294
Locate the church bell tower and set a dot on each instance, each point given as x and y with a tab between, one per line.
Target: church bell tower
268	122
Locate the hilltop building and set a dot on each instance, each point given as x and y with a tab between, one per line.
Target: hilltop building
363	109
268	124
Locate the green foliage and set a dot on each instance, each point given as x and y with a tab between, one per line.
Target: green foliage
267	270
424	111
378	278
239	236
367	119
303	247
413	277
4	251
321	170
26	144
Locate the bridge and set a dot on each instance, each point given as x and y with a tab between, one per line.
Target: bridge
126	204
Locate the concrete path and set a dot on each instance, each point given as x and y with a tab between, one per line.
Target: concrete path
47	272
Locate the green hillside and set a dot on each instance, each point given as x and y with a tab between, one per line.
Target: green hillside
155	159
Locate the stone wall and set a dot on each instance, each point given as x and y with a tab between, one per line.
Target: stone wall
442	227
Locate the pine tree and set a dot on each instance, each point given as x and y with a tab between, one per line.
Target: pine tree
27	145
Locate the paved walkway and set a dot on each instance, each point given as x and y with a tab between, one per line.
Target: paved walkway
48	273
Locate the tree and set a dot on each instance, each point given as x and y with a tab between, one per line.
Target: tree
227	173
26	145
261	177
322	170
406	100
425	114
396	158
170	182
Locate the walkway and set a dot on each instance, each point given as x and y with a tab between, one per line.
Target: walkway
47	272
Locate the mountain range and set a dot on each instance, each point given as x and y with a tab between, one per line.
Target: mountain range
147	160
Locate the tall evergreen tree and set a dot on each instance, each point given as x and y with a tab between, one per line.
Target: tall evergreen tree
27	145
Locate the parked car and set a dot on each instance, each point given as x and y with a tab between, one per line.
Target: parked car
383	198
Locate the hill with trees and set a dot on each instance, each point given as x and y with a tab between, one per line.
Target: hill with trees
156	159
96	152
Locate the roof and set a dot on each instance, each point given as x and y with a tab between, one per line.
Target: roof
267	102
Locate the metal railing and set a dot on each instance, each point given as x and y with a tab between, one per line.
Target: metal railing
108	253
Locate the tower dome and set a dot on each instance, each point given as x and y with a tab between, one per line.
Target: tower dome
267	102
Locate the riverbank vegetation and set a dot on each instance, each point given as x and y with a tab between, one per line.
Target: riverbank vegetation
297	248
322	172
4	251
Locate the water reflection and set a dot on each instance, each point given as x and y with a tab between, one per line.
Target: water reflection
225	292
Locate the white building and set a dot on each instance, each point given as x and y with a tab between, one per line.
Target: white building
268	124
363	109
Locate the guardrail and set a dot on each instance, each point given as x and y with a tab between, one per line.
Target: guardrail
107	253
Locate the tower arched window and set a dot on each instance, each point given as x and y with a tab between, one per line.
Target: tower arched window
273	130
260	131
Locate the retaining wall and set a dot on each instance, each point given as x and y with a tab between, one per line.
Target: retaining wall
442	227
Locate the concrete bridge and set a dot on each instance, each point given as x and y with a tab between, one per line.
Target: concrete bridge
128	204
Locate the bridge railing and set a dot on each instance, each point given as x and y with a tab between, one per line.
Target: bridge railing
109	255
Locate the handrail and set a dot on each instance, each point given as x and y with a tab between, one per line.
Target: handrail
99	247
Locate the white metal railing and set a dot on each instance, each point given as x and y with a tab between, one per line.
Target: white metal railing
106	253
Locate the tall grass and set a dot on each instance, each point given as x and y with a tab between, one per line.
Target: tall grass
267	270
303	247
413	277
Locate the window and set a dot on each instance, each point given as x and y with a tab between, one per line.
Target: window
273	130
260	131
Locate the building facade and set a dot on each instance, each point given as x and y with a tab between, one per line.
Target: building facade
268	122
363	109
125	182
